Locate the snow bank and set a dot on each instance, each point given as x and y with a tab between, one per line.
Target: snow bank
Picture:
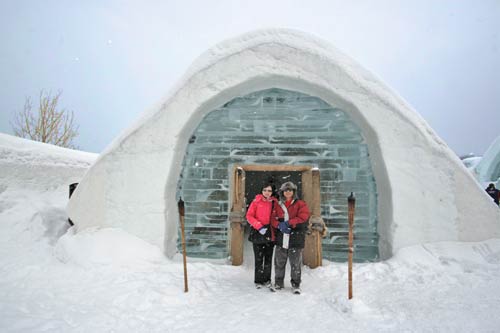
39	166
105	246
110	281
34	189
447	253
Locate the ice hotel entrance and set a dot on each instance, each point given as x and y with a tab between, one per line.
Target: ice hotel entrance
247	182
281	134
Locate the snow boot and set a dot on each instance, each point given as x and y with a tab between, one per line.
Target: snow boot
296	290
275	287
266	284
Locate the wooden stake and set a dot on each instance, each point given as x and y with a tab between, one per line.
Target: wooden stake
180	205
351	202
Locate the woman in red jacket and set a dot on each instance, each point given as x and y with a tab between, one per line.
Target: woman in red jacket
260	213
293	215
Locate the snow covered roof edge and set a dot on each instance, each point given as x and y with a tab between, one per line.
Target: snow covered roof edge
298	39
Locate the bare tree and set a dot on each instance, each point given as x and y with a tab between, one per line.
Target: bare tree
48	124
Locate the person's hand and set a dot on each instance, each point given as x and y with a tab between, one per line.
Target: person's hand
284	227
263	231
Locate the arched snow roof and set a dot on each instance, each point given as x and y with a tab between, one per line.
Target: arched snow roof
424	192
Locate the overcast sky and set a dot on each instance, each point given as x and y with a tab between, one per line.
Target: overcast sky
114	59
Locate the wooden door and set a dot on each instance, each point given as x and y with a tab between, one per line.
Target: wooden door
312	255
237	217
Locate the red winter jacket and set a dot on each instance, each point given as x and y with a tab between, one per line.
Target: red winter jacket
298	213
259	213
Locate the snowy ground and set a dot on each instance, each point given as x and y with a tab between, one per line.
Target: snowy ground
108	281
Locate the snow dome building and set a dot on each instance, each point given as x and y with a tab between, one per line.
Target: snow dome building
283	105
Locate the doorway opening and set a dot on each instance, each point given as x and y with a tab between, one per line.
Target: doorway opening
246	183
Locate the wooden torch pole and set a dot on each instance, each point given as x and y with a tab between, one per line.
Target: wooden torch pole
351	202
180	205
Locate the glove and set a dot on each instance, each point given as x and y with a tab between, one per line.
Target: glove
284	227
262	231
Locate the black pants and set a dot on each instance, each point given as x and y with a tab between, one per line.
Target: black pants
263	254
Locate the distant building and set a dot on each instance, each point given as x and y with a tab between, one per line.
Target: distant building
488	169
279	105
470	161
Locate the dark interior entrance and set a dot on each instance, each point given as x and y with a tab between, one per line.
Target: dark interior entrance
247	181
254	180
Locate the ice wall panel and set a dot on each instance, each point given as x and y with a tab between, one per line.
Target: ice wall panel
276	126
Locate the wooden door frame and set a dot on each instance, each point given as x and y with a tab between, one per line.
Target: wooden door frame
311	195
